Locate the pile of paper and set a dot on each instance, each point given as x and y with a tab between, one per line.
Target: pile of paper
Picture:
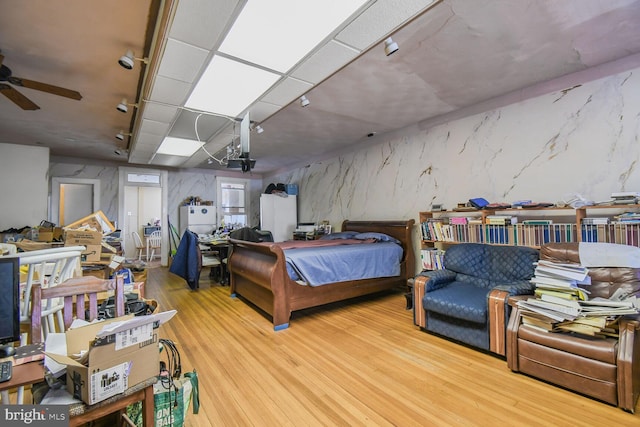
561	302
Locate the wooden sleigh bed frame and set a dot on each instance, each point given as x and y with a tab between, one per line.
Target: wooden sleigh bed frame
259	274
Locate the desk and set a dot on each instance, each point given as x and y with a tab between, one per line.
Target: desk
81	413
23	375
222	246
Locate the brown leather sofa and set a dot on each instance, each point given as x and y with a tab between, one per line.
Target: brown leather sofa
607	369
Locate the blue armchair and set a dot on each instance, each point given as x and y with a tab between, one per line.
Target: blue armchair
467	301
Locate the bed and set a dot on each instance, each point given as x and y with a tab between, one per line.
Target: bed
259	275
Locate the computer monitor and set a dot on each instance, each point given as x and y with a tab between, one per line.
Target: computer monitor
9	300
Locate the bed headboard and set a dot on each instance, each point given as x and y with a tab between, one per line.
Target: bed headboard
400	229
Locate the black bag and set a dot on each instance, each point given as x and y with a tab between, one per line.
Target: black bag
132	305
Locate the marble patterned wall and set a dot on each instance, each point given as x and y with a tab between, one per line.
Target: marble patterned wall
581	141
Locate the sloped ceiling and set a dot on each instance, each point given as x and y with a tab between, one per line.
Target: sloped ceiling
452	56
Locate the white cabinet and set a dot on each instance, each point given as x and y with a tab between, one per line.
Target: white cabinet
279	215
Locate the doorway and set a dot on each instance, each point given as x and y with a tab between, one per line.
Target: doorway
72	199
143	202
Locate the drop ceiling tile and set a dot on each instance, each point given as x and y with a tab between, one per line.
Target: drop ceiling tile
207	125
379	20
182	61
159	112
169	91
168	160
286	91
202	22
154	128
148	140
327	60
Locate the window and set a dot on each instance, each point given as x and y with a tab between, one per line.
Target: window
232	206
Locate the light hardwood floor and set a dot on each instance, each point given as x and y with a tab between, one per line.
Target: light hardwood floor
362	363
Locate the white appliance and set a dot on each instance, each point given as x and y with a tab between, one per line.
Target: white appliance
197	218
279	215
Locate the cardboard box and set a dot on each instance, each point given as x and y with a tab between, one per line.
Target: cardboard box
97	221
49	234
91	239
117	359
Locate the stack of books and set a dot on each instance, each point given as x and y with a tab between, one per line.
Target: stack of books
625	198
560	304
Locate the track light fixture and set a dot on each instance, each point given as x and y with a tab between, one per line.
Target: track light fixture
120	135
123	107
304	101
390	46
127	60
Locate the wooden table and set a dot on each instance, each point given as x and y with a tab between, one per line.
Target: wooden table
81	413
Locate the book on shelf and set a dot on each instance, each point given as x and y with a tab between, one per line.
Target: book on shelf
501	219
459	220
537	222
595	220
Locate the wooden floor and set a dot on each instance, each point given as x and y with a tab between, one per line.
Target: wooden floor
363	363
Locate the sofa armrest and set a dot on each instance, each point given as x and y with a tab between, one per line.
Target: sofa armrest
628	363
437	279
522	287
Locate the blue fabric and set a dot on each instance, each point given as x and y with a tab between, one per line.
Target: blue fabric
459	299
329	264
186	261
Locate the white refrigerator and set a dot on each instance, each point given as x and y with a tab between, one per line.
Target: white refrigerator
279	215
197	218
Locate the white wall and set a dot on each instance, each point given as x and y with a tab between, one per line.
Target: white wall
549	148
24	185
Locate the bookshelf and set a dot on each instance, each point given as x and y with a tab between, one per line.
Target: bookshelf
531	227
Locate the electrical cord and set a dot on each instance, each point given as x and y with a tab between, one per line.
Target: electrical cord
170	370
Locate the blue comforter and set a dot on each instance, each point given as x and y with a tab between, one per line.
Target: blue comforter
328	264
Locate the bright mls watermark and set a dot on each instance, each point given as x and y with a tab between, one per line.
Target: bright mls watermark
34	415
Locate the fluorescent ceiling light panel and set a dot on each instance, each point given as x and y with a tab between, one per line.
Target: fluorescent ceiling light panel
227	87
179	146
277	34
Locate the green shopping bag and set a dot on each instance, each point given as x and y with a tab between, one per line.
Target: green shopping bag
172	399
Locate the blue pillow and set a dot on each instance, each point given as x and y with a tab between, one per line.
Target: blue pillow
380	237
340	235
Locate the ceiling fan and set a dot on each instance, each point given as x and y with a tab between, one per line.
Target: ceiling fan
22	101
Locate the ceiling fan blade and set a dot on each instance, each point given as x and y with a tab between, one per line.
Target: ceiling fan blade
55	90
19	99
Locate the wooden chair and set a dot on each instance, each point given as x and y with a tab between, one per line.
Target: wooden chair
47	268
154	241
81	291
140	246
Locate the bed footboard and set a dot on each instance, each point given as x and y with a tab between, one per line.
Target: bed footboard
258	273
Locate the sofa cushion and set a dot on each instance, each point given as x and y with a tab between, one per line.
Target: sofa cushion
459	300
